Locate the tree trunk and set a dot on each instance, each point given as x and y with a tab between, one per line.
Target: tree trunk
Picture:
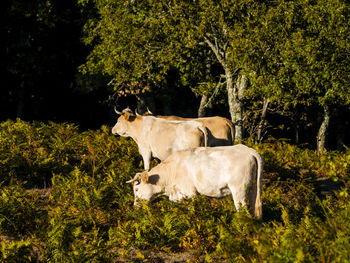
295	118
207	101
235	94
322	132
203	106
262	120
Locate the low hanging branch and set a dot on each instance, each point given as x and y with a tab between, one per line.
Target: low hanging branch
216	90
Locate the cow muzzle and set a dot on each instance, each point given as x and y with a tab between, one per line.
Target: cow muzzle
137	204
114	131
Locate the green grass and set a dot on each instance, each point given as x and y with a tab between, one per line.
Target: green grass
86	213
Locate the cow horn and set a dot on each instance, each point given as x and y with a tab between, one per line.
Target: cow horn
137	114
149	112
136	178
118	112
131	181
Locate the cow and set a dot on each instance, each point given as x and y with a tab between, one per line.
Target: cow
212	171
159	138
221	130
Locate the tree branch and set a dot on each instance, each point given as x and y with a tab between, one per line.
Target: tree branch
215	49
210	100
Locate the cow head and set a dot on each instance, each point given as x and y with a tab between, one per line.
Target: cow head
122	127
145	186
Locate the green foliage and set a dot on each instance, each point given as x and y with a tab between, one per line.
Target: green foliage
304	162
33	152
295	53
16	251
87	213
16	204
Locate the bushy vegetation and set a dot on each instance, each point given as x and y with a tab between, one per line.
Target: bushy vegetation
64	199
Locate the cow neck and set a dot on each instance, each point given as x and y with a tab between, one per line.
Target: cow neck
138	129
165	175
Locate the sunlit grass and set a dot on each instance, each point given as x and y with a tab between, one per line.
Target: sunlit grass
86	213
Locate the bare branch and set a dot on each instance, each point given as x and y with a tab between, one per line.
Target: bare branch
215	49
210	100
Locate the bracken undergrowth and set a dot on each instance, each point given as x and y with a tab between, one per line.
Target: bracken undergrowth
64	199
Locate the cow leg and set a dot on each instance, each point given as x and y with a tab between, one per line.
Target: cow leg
239	197
146	156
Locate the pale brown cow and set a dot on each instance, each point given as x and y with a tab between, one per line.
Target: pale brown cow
157	137
221	130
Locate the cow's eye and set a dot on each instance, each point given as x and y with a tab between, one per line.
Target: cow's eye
136	189
137	182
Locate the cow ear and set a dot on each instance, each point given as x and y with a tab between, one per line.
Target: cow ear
127	116
144	177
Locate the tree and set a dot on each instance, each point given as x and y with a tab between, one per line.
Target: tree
298	53
318	54
218	25
138	42
127	45
281	53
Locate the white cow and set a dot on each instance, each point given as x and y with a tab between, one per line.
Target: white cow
159	138
212	171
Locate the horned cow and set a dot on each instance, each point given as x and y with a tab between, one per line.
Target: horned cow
159	138
212	171
221	130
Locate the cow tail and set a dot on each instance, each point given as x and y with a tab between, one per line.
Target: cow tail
259	178
205	133
233	130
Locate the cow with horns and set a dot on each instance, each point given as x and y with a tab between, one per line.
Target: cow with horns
212	171
158	137
221	130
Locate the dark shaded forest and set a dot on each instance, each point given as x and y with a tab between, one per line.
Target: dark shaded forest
69	61
41	50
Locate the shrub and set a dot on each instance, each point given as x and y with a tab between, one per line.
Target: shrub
31	152
16	251
20	211
89	215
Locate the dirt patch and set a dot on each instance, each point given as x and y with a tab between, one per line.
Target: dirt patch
136	255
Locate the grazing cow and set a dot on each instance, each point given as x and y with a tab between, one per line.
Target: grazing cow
158	137
221	130
212	171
